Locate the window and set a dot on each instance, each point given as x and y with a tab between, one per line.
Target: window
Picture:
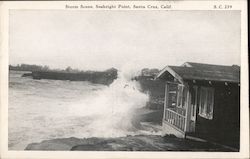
172	95
193	91
180	95
206	102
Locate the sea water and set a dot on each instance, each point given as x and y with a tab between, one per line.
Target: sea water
47	109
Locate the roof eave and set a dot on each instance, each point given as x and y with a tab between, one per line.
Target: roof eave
212	80
172	72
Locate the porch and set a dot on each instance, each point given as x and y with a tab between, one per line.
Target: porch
175	117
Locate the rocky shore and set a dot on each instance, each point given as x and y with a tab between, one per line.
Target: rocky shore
129	143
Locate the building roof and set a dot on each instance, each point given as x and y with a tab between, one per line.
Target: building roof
203	72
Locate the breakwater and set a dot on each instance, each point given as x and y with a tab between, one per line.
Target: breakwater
105	77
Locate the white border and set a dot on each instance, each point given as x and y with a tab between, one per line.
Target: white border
175	5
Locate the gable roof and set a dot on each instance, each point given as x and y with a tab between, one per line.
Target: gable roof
199	71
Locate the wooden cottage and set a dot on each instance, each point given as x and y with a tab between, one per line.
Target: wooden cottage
202	101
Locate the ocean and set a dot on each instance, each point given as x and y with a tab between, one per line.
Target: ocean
48	109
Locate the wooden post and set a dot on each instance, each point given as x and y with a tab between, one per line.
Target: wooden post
188	110
165	101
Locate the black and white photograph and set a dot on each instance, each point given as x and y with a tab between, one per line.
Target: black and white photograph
124	80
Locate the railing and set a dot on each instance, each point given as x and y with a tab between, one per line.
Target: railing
175	119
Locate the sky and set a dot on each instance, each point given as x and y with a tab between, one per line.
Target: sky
98	40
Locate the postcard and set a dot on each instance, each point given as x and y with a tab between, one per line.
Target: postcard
124	79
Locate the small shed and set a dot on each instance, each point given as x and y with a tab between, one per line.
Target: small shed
203	101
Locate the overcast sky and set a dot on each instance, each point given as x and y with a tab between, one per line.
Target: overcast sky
98	40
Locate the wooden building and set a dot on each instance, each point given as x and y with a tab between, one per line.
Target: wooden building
202	101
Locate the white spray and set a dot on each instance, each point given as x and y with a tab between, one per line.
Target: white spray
112	109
